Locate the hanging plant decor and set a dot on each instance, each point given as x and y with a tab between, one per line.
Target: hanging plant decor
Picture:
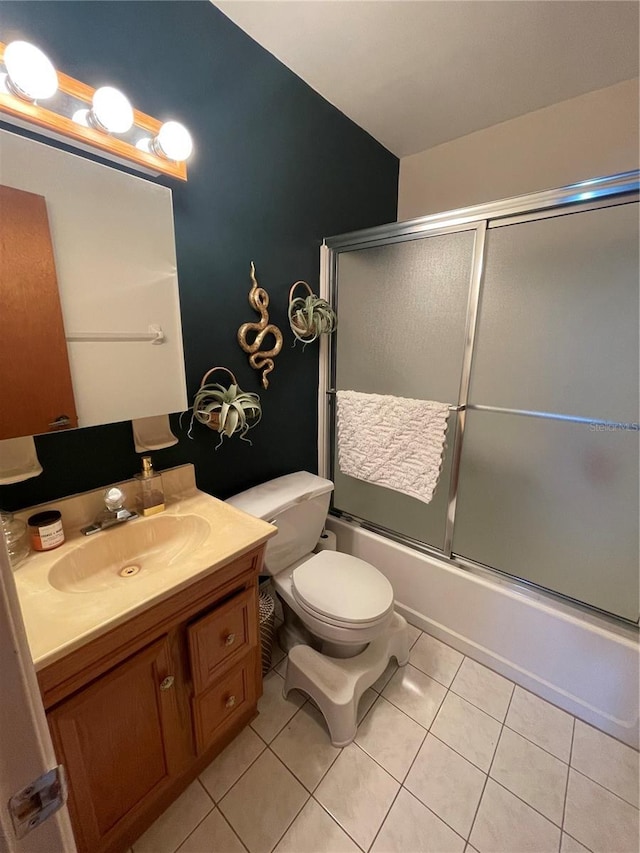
260	359
310	316
226	410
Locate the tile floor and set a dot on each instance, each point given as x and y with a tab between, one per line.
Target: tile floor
449	758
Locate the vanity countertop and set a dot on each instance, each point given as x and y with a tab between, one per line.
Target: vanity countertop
57	621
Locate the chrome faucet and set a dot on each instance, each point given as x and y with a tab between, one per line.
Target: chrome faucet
114	512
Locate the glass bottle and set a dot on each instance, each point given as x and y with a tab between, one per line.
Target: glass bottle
15	537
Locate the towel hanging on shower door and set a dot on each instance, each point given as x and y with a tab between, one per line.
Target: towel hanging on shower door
394	442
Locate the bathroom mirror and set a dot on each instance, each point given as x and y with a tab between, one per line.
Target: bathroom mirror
112	240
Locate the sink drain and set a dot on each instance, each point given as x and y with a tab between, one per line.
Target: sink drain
128	571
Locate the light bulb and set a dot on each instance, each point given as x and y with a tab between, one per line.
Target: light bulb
173	141
31	74
81	117
111	111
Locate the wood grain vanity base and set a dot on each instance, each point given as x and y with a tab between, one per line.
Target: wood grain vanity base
137	713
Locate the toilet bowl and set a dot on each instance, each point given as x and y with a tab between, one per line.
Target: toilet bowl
333	602
340	629
341	602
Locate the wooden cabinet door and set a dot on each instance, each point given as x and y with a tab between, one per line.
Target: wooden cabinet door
117	738
35	379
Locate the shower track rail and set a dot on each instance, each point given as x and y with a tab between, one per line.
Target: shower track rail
530	413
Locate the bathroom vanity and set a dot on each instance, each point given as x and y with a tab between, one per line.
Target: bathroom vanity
145	677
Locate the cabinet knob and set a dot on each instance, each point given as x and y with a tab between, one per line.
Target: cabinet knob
167	682
230	639
230	703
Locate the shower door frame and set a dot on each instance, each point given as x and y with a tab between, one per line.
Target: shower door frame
587	195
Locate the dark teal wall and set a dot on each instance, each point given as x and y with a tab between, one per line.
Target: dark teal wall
277	168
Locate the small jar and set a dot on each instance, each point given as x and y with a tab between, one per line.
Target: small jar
45	530
16	538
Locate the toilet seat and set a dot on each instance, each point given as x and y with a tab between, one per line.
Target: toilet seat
353	627
342	590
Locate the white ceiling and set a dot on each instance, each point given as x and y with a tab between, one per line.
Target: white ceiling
416	73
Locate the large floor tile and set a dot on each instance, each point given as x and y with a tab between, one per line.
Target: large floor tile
177	822
263	803
227	768
274	711
435	659
413	634
598	819
358	793
607	761
390	738
483	688
277	655
213	835
570	845
541	722
467	729
314	831
447	783
304	746
536	776
505	824
416	694
410	826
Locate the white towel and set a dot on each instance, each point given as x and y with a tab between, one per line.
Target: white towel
18	460
392	441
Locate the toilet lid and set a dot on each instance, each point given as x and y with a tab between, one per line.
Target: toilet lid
342	587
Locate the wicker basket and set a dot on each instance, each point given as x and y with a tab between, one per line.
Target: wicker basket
266	606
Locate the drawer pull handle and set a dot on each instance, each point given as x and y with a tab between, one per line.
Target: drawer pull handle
230	639
167	682
230	703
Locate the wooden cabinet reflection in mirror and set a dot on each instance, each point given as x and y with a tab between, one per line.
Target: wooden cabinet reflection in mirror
35	383
110	301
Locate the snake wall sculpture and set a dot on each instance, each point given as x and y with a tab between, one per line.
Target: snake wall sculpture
260	359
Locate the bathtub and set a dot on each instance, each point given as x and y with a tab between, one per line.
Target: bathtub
578	661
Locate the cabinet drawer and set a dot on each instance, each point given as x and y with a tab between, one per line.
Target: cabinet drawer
222	637
224	701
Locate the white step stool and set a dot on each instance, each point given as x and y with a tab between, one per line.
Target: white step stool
336	684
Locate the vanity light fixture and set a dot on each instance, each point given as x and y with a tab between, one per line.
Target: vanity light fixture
87	118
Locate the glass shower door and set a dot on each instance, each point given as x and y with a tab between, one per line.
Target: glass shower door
402	311
548	487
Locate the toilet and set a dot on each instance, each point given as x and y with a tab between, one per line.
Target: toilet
340	628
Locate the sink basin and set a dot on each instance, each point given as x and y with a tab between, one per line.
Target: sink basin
127	553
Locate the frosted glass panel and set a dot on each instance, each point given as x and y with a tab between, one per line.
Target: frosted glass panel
558	323
401	317
555	503
401	326
395	511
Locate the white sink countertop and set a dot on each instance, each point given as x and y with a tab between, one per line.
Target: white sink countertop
61	616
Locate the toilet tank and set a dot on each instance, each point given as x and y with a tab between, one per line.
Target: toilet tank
297	504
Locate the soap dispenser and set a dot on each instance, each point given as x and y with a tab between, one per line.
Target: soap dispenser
151	491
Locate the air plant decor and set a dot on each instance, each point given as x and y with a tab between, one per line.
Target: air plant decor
227	410
310	316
